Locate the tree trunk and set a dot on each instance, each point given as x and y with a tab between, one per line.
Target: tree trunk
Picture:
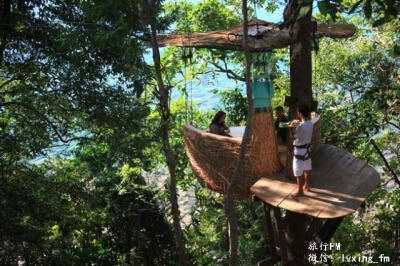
229	204
170	157
296	224
297	237
300	67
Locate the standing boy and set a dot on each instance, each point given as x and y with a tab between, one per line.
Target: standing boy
302	152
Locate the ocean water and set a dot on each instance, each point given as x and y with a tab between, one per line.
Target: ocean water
202	91
199	91
202	94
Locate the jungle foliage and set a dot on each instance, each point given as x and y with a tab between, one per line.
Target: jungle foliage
79	129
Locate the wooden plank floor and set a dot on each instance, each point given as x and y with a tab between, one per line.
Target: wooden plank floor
339	184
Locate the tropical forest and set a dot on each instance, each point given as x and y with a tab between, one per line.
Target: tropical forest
215	132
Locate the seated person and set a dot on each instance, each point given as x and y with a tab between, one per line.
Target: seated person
218	126
281	132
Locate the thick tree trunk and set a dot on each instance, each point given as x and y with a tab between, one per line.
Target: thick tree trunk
300	67
296	236
229	204
170	157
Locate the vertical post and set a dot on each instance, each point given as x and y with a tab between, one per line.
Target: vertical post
326	232
270	231
328	229
297	236
282	240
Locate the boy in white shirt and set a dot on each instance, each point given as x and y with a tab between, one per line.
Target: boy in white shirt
302	153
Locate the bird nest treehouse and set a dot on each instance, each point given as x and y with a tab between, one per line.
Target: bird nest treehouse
213	157
340	183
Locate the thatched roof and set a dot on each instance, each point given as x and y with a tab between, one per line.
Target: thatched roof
263	36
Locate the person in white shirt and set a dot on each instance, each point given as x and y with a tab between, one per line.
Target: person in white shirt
302	153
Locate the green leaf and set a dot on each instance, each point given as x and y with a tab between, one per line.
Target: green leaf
396	50
324	7
368	9
303	11
101	251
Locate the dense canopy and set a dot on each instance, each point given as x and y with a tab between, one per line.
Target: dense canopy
93	168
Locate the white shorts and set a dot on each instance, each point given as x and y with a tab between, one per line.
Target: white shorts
299	166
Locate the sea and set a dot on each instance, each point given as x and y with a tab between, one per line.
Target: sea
202	91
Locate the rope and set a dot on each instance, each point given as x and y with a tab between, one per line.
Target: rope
187	57
185	88
191	90
258	34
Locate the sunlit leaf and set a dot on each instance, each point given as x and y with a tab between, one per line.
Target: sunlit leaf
303	11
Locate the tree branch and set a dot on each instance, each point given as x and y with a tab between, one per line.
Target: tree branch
390	123
42	116
5	83
395	177
165	112
229	73
387	182
229	203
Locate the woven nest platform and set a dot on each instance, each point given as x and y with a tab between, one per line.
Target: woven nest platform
339	184
213	158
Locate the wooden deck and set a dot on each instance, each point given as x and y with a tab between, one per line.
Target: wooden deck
339	184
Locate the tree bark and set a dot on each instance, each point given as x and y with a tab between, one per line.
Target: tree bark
300	66
229	204
169	155
295	224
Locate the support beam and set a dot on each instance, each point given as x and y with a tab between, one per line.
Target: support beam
328	229
281	232
269	230
263	36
